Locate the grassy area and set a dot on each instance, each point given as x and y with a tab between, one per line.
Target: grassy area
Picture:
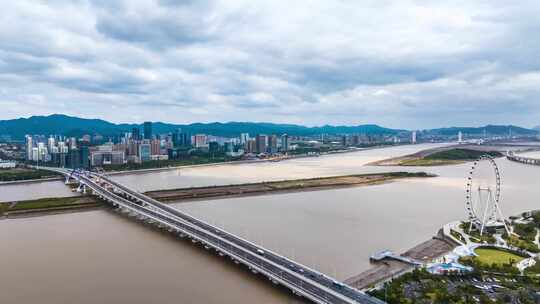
521	243
45	203
461	154
449	157
458	236
24	174
491	256
289	185
420	287
420	162
192	160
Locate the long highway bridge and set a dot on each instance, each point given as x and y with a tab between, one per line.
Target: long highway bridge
522	159
301	280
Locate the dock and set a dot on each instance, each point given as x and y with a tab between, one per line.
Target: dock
386	265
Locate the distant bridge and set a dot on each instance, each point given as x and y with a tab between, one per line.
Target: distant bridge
280	270
522	159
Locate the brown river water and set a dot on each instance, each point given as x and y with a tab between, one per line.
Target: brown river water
100	257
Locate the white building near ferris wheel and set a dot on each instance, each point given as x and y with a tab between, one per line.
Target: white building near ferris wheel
483	194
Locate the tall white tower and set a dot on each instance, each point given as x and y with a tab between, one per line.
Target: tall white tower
413	138
29	146
460	137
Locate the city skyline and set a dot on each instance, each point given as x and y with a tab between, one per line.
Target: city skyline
401	65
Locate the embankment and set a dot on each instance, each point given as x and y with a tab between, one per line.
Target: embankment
70	204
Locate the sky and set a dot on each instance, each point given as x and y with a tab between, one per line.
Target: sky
400	64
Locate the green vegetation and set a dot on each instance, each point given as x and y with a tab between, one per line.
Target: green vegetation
521	243
525	234
295	184
449	157
421	287
525	231
420	162
534	270
475	235
45	203
461	154
458	236
494	256
192	160
493	260
17	174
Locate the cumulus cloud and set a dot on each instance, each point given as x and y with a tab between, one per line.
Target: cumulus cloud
406	64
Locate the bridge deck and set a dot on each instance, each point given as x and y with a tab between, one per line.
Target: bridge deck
302	280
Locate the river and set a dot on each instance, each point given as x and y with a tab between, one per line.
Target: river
99	257
335	164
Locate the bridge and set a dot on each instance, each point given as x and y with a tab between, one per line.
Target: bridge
300	279
522	159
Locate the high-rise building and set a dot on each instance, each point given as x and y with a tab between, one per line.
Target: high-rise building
272	144
176	138
100	158
62	148
29	146
213	147
251	146
132	148
185	140
156	147
84	157
200	140
181	139
413	137
50	144
228	147
136	133
72	143
261	143
344	140
460	137
34	154
42	152
147	130
285	142
73	159
244	137
145	151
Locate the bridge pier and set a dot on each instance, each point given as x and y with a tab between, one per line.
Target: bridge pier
524	160
279	270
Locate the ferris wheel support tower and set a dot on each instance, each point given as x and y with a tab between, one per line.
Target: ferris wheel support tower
482	200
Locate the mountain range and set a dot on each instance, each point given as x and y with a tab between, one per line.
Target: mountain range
75	126
489	129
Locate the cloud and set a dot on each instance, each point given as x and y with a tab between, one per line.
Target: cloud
406	64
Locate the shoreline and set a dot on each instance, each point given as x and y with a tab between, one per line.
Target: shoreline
31	181
391	267
236	162
249	161
419	159
74	204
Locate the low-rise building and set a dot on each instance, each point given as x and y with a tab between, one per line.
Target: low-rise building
7	164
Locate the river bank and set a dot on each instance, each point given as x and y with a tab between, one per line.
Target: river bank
71	204
206	165
247	161
388	268
443	156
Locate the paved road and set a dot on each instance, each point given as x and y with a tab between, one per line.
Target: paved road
310	283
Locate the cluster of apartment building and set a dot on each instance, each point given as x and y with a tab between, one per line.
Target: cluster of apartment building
138	147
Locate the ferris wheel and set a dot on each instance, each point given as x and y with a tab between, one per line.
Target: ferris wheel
483	195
